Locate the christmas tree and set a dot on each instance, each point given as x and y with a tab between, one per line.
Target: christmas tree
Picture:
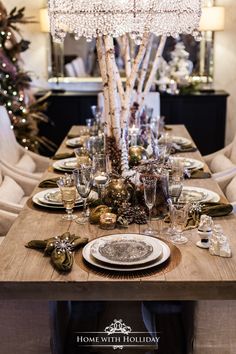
24	111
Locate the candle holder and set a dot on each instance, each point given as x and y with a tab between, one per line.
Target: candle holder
108	221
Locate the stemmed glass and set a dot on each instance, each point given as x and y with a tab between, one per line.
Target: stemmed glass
83	178
178	218
175	187
100	172
150	184
67	188
97	113
82	156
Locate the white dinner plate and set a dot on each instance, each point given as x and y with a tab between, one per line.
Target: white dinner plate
126	249
65	165
196	194
53	196
90	259
39	199
190	164
74	142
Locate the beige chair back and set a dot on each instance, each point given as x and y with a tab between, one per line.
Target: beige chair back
8	145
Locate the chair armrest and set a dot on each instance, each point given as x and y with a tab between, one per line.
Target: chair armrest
225	177
26	183
6	220
42	162
10	207
225	151
34	176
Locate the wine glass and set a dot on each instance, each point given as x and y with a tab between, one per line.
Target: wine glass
100	172
82	156
178	218
83	178
175	187
150	199
67	188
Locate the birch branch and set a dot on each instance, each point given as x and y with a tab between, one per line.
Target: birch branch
145	65
156	64
127	57
104	74
112	87
119	84
131	80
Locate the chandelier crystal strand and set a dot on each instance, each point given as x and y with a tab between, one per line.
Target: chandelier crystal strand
94	18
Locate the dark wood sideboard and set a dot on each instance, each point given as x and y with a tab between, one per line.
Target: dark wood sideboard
203	114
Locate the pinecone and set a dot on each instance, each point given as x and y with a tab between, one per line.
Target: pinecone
126	212
140	215
114	154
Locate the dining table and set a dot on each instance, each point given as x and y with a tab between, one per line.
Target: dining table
192	274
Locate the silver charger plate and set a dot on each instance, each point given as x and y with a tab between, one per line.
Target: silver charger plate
126	249
91	260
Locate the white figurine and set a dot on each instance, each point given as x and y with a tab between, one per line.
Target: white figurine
204	231
219	244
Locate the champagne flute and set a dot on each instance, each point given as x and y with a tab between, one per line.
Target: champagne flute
150	199
83	178
67	188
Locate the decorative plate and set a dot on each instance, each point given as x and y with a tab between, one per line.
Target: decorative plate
123	268
126	249
74	142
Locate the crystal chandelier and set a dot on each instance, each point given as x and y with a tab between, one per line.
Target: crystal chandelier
93	18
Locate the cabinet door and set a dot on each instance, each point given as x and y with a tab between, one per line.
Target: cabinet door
204	117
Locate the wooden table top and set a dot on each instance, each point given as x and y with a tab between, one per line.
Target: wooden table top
26	274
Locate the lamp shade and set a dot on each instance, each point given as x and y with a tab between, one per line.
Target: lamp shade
44	20
212	19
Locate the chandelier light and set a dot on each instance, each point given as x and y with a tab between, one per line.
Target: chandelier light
94	18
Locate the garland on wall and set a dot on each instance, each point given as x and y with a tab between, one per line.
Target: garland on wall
24	111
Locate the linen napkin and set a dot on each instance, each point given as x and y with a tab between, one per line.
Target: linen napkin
60	249
210	209
176	148
48	183
199	174
63	155
72	136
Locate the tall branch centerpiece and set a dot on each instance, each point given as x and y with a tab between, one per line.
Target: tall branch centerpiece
138	20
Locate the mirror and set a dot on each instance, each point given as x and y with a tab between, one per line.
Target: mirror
78	58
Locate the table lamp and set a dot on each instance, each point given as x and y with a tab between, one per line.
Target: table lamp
212	20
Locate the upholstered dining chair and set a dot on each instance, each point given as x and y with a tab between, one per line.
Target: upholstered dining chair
14	156
14	190
152	100
222	161
227	183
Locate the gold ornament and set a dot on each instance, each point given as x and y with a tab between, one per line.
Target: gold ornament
94	217
137	154
117	192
